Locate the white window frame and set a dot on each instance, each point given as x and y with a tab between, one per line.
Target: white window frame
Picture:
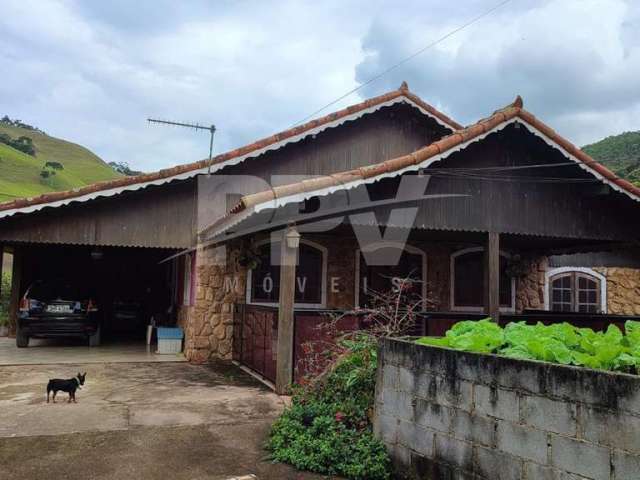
587	271
323	282
404	247
452	287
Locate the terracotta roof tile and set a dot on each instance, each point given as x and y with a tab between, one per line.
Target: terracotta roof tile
317	183
398	163
473	131
374	170
342	178
403	91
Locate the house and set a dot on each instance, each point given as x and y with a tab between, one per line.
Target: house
252	248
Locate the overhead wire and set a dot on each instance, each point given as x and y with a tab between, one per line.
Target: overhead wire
405	60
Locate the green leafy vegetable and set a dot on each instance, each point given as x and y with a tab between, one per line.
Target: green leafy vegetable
558	343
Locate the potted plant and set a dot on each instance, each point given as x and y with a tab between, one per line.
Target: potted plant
249	258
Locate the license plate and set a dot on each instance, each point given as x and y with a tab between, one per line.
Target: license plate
59	308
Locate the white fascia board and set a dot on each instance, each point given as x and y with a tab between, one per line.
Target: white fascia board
232	161
299	197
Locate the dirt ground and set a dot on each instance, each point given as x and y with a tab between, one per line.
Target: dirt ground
144	421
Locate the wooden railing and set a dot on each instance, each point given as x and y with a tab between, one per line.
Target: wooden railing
256	332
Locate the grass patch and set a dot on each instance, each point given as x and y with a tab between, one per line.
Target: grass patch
20	173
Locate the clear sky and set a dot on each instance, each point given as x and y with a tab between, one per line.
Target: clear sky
93	71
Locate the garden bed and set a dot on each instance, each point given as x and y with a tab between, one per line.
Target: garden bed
443	412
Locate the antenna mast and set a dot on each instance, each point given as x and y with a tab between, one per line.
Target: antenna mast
195	126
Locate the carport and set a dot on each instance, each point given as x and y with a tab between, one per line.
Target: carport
115	245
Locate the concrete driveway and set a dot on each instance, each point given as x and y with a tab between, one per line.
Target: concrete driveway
76	351
138	420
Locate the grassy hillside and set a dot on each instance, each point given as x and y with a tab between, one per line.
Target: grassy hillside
620	153
20	173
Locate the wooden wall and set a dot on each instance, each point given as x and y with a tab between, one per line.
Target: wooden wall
387	133
527	205
160	216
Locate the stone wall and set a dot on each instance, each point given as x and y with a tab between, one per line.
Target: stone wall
623	290
221	284
449	414
530	287
208	324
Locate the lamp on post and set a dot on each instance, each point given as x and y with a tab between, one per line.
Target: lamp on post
293	238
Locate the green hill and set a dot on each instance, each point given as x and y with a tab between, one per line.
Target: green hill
20	173
620	153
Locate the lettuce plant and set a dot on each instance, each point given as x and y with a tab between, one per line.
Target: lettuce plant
558	343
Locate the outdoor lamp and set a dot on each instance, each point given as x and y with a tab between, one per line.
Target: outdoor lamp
293	238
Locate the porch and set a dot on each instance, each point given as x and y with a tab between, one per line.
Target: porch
474	233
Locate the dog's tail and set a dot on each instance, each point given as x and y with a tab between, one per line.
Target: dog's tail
49	386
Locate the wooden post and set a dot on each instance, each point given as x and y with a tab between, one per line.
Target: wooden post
16	280
284	359
1	265
492	276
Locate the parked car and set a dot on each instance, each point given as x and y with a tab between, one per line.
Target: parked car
57	308
127	318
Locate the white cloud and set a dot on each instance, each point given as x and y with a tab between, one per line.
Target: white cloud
92	72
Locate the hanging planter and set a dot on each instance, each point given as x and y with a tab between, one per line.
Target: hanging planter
249	258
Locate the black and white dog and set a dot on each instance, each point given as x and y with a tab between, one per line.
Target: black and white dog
70	386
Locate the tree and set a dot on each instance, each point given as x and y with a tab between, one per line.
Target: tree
54	165
123	168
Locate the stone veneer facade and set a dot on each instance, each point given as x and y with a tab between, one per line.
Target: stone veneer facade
208	324
623	290
221	284
530	287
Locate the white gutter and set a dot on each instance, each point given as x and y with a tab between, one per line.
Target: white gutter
219	166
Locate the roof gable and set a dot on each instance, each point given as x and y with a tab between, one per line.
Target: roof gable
423	158
233	157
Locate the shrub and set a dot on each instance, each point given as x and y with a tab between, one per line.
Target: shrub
327	429
559	343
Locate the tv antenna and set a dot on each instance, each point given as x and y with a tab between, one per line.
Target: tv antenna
195	126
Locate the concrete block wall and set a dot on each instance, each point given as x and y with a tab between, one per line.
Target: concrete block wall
445	414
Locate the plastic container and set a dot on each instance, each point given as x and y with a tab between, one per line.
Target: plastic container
170	340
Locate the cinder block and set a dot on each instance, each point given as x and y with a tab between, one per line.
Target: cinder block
406	380
534	471
416	438
522	441
428	468
615	429
433	416
496	402
495	465
582	458
390	376
385	428
474	428
551	415
626	466
450	391
454	452
401	456
397	404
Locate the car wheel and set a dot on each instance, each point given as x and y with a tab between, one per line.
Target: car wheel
94	340
22	339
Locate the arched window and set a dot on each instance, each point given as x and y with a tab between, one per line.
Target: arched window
263	282
381	266
573	289
467	281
